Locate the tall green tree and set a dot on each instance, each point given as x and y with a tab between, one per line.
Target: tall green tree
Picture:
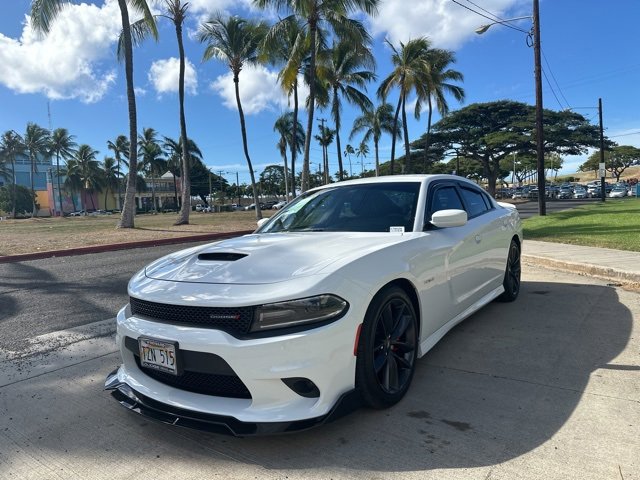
120	148
290	137
36	142
361	152
325	138
44	12
61	143
110	177
616	160
72	179
89	171
408	75
150	154
287	44
487	133
346	69
320	17
235	41
174	156
439	84
348	151
12	146
373	123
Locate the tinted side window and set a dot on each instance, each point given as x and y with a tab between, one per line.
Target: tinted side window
446	198
475	203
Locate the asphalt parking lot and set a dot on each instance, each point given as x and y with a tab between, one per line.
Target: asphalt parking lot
546	387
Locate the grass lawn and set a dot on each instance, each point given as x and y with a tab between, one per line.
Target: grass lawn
614	224
43	234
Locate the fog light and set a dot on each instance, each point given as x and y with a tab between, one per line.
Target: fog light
302	386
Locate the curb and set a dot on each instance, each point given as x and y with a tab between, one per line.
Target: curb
120	246
605	273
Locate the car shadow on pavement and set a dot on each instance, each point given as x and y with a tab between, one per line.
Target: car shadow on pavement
498	386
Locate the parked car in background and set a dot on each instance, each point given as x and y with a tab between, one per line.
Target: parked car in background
78	213
617	192
579	192
565	192
279	205
331	300
199	207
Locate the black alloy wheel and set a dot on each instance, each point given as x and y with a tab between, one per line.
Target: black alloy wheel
512	274
387	350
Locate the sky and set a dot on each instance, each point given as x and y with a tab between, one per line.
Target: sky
72	79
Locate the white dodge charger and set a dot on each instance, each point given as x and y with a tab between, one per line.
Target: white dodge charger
326	306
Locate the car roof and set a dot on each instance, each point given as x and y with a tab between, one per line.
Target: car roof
421	178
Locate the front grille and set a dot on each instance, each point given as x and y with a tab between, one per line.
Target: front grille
205	383
235	321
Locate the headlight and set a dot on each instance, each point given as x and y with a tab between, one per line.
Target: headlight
293	313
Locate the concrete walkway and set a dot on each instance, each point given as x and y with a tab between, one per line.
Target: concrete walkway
618	266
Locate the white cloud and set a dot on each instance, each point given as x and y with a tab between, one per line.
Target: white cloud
447	24
164	76
259	90
67	63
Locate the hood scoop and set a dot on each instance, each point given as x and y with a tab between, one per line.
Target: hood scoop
220	256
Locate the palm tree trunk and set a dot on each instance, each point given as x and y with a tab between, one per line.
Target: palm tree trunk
58	181
427	137
243	128
153	192
185	210
119	195
294	141
33	191
128	211
325	162
286	174
313	27
407	159
13	187
336	113
175	190
375	146
73	201
393	135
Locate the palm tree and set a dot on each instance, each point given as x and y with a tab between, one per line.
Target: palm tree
439	78
36	141
110	176
72	180
343	69
361	152
235	41
348	151
325	138
88	171
318	16
409	74
374	123
44	12
290	137
174	156
120	149
287	44
150	155
12	145
62	144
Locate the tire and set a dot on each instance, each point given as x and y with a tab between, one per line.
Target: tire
511	282
387	350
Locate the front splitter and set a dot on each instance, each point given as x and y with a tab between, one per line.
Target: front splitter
148	407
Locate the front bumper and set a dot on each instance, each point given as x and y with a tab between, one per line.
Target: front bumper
143	405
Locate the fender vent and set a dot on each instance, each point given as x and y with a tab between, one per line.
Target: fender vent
221	256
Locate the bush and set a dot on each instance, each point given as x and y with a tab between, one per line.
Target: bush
24	200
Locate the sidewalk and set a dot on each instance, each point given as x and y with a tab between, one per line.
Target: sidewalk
619	266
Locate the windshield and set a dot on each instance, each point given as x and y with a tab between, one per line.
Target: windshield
377	207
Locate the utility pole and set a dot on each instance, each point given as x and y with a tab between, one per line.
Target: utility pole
542	207
221	194
238	188
602	190
209	185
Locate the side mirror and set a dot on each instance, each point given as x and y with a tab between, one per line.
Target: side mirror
262	221
449	218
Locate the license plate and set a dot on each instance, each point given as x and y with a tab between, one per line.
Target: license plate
159	355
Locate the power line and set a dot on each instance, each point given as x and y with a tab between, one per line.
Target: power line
487	17
552	90
554	77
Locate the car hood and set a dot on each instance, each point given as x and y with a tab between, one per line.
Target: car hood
268	258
